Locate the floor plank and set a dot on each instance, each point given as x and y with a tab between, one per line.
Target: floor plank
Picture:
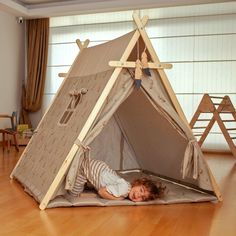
20	214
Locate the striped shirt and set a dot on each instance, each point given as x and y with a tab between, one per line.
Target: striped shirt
99	174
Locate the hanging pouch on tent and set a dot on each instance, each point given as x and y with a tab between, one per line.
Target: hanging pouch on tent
145	63
138	74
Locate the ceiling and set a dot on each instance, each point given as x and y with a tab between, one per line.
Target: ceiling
30	2
49	8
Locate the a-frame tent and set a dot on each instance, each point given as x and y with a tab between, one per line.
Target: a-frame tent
98	105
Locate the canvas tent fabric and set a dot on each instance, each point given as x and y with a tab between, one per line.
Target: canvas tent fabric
142	128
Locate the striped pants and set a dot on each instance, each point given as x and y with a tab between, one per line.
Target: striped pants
89	171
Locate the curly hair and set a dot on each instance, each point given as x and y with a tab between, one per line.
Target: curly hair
151	186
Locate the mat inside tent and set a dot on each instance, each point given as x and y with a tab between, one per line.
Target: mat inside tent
174	193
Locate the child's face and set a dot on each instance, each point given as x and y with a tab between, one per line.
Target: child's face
138	193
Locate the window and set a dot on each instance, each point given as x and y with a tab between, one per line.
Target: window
76	98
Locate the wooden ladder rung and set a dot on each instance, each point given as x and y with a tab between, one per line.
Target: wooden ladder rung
197	134
204	119
229	120
217	104
231	129
233	137
225	112
199	127
216	97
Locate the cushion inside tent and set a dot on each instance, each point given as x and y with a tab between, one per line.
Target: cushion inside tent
174	193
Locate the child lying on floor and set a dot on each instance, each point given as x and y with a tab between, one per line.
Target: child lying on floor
111	186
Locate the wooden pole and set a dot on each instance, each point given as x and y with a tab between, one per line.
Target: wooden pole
132	64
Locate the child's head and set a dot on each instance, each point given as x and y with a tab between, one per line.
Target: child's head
144	190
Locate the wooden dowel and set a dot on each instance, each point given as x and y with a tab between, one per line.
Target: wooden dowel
203	119
199	127
82	45
216	97
62	75
132	64
227	112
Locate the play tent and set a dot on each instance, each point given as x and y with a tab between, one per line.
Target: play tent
141	131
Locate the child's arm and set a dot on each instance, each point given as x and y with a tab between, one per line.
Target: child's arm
104	194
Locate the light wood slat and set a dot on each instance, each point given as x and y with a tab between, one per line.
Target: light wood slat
82	45
203	119
199	127
131	64
217	97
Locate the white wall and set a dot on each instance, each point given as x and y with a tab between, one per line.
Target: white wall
12	63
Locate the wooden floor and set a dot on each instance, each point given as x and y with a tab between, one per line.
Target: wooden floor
20	214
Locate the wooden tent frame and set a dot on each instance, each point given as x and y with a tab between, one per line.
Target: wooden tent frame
225	106
140	32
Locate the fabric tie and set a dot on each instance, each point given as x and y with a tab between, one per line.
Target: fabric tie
86	155
190	162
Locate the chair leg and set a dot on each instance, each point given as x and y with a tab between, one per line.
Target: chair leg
3	141
8	143
16	143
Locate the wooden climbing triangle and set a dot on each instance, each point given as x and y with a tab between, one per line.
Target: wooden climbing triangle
223	112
